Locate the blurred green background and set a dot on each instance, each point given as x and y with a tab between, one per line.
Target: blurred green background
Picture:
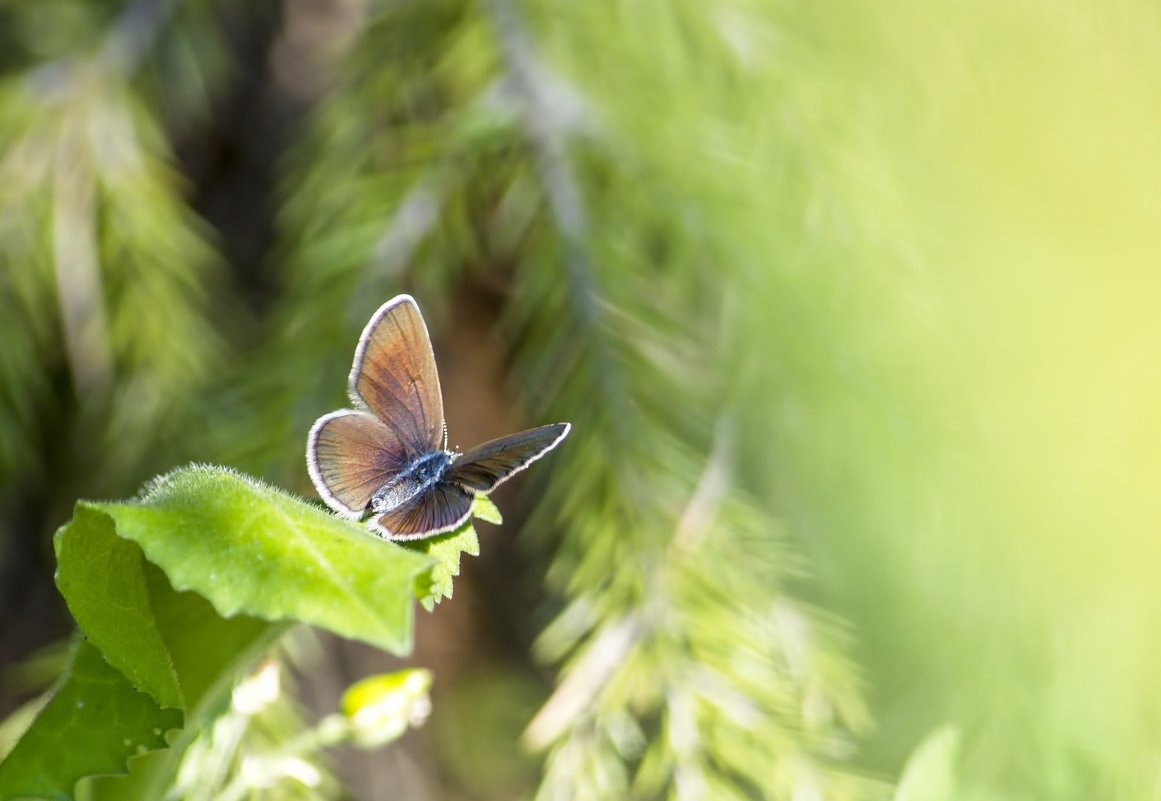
855	309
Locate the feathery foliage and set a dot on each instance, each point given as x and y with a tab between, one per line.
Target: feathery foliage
107	333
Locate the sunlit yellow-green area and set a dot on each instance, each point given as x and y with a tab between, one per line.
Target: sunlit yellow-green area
855	309
983	436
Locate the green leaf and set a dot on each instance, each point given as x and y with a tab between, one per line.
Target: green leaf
433	587
102	577
93	723
149	776
487	511
253	550
179	590
206	650
173	645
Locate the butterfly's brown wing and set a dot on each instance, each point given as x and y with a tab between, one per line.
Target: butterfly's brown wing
441	508
394	375
351	454
484	467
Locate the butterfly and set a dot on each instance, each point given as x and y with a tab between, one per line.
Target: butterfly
387	459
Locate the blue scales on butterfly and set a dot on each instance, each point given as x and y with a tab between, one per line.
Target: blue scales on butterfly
419	476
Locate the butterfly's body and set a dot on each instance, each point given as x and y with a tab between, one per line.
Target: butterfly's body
388	457
419	476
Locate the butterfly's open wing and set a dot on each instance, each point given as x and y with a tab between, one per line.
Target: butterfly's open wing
350	454
394	375
441	508
484	467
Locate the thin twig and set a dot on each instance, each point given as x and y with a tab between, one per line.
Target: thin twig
579	691
77	266
134	33
712	488
543	111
